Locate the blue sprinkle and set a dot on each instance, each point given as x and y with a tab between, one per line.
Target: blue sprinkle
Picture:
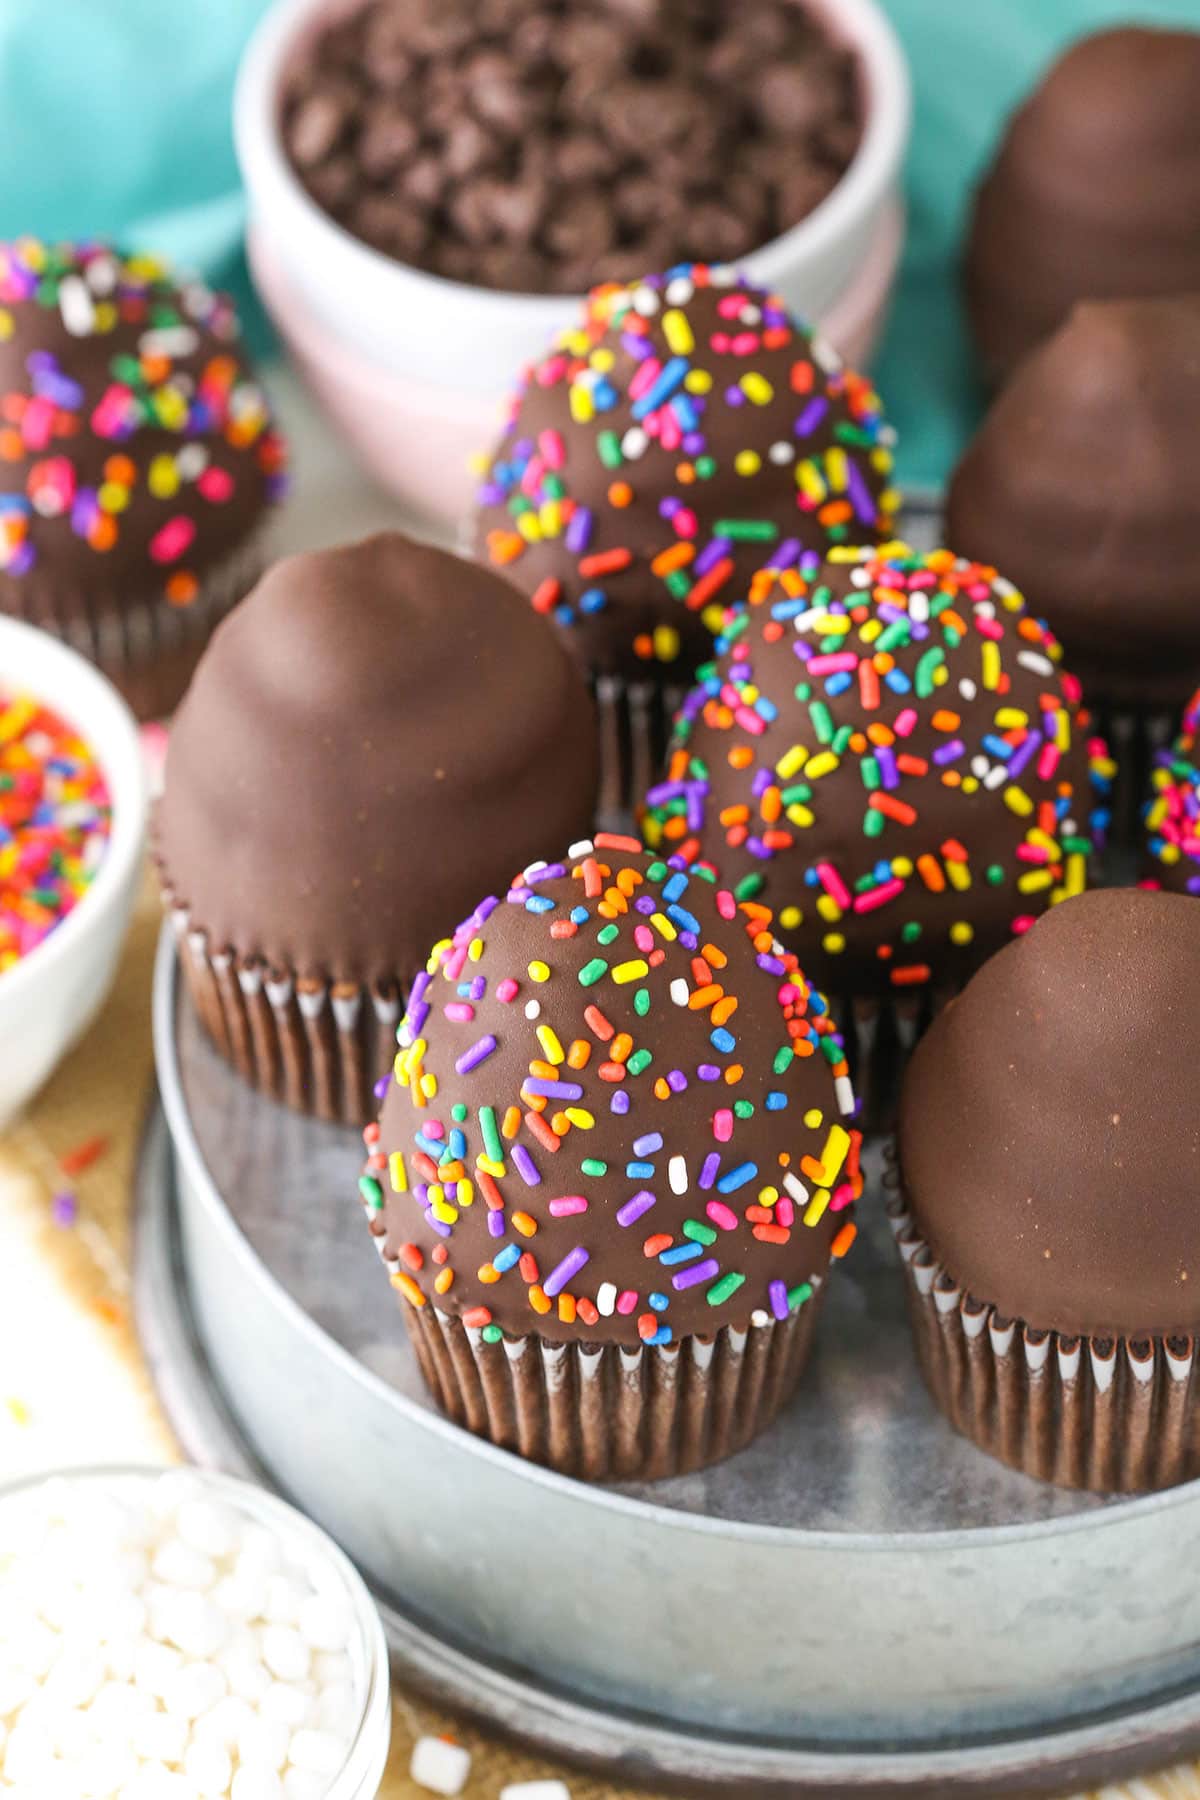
639	1171
997	747
539	903
722	1040
898	681
458	1145
676	887
661	1336
507	1258
593	600
685	920
580	915
658	1302
737	1178
775	1101
838	683
681	1253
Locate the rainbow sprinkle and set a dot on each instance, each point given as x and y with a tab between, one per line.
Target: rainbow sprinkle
647	392
55	818
1172	816
503	1193
882	719
148	445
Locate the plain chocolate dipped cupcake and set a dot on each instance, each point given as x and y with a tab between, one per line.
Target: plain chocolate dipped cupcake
687	431
1048	1222
1171	820
1080	485
138	460
613	1167
1093	194
374	735
888	752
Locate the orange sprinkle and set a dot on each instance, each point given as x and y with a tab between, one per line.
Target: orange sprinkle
620	494
566	1309
408	1288
542	1132
675	556
931	874
891	808
578	1054
621	1048
912	976
525	1223
657	1243
596	1022
709	584
704	996
540	1301
844	1239
443	1281
487	1274
604	562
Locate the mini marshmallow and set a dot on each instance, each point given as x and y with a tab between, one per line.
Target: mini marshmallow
536	1790
440	1765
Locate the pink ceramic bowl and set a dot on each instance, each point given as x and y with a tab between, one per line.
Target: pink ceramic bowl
417	437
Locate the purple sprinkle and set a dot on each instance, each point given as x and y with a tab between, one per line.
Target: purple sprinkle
694	442
677	1081
525	1166
812	415
786	555
478	1053
418	1012
491	494
689	940
64	1208
948	753
1020	757
631	1212
579	531
551	872
496	1224
888	771
552	1090
777	1295
381	1087
696	1273
644	904
669	507
860	494
763	779
708	1174
619	1102
485	909
570	1265
709	1072
478	988
436	1225
734	397
647	1145
715	551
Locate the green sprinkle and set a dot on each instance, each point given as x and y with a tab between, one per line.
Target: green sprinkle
725	1289
822	721
371	1191
678	584
784	1058
747	531
1077	846
803	690
553	487
608	448
841	738
608	934
458	1113
749	885
873	823
492	1334
798	1295
734	629
700	873
657	870
592	972
994	874
641	1059
832	1050
491	1136
869	769
705	467
641	1002
798	791
743	1109
698	1233
895	637
923	674
591	1165
910	932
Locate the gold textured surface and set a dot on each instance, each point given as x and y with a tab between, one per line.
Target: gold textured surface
73	1387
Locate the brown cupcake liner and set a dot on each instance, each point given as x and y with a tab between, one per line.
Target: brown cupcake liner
147	647
603	1412
317	1048
1116	1415
880	1034
1134	737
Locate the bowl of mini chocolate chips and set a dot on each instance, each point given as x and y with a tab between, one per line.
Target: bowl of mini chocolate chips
434	185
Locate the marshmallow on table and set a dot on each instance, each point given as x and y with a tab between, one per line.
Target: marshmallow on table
440	1765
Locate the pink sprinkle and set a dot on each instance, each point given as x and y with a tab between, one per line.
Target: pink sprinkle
534	470
455	959
627	1301
643	937
833	884
567	1204
721	1215
37	422
1047	761
1032	853
461	1011
508	989
833	664
729	306
645	375
904	724
744	344
726	904
750	721
1071	687
553	449
686	523
840	1199
785	1212
552	370
172	539
216	485
670	431
989	628
887	890
723	1125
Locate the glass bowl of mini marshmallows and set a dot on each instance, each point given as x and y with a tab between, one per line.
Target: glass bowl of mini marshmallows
179	1635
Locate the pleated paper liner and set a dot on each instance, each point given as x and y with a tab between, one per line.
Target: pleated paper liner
319	1049
606	1413
1115	1415
634	723
148	648
880	1034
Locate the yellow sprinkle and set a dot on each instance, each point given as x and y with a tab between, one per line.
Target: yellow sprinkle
1034	881
663	926
813	1118
961	932
583	409
602	359
442	1211
580	1116
768	1196
475	949
630	971
548	1039
828	908
677	330
791	762
1076	879
757	388
747	462
902	867
824	763
1018	801
836	468
1008	717
539	971
815	1209
834	943
958	874
466	1192
429	1086
666	643
6	324
790	917
991	664
808	478
489	1166
550	518
698	381
800	815
834	1154
530	527
397	1172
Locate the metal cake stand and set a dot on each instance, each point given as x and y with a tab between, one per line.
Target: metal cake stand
859	1604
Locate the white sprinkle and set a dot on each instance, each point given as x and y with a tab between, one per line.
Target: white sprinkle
578	851
679	991
1040	665
844	1093
679	290
677	1174
967	688
172	340
635	443
533	1009
439	1765
781	452
795	1186
606	1299
75	305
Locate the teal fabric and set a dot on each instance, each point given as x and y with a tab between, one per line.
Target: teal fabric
114	120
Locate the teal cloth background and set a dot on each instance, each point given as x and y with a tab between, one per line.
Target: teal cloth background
114	120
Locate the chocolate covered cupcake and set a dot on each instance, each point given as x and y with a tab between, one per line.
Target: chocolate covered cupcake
687	431
1171	822
1048	1225
1093	194
887	751
613	1167
375	734
138	460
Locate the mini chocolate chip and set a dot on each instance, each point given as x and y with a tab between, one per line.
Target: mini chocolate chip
318	125
580	223
389	138
424	181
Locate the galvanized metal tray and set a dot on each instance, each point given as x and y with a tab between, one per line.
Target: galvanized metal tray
861	1603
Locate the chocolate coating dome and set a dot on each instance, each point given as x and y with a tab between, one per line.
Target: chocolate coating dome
640	1108
887	750
1049	1133
686	431
375	734
137	452
1080	485
1094	193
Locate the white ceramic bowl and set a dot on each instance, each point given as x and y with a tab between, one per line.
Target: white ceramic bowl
413	370
50	997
